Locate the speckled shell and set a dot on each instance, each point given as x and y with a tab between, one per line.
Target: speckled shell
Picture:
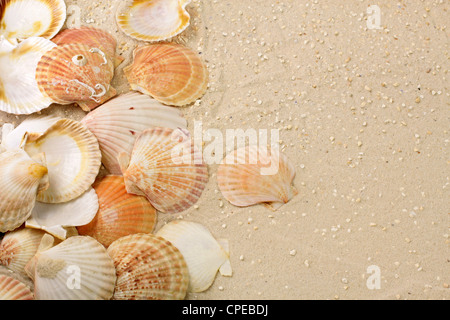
19	92
73	160
153	20
20	180
78	268
76	73
167	168
252	175
118	122
13	289
120	214
171	73
18	247
148	268
22	19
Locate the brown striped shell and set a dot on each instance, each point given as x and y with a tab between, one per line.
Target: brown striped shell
13	289
148	268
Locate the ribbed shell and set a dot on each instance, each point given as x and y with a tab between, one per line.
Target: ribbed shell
19	92
118	122
18	247
13	289
120	214
167	168
171	73
148	268
22	19
153	20
73	160
20	180
78	268
76	73
204	255
251	175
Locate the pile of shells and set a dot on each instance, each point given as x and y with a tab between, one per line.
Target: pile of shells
71	233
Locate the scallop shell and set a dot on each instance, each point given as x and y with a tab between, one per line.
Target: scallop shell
73	158
92	37
148	268
120	214
118	122
171	73
13	289
78	268
32	127
253	175
76	73
21	178
153	20
18	247
55	218
19	92
167	168
22	19
204	254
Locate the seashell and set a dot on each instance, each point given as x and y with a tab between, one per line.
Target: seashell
32	127
19	92
73	158
18	247
153	20
167	168
78	268
55	218
204	254
76	73
13	289
118	122
22	19
92	37
120	214
148	268
252	175
171	73
21	178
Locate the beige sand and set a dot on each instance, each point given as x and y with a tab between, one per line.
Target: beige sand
363	115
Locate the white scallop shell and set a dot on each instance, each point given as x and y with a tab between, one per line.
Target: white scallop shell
118	123
204	255
19	92
73	160
54	217
78	268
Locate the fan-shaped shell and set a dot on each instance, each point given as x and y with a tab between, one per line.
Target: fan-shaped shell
78	268
76	73
167	168
92	37
148	268
13	289
253	175
171	73
19	92
204	255
56	217
153	20
18	247
22	19
73	160
120	213
118	122
20	180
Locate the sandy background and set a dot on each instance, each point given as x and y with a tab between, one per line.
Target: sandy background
364	117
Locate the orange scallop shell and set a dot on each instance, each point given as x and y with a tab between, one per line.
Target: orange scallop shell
120	214
171	73
13	289
76	73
